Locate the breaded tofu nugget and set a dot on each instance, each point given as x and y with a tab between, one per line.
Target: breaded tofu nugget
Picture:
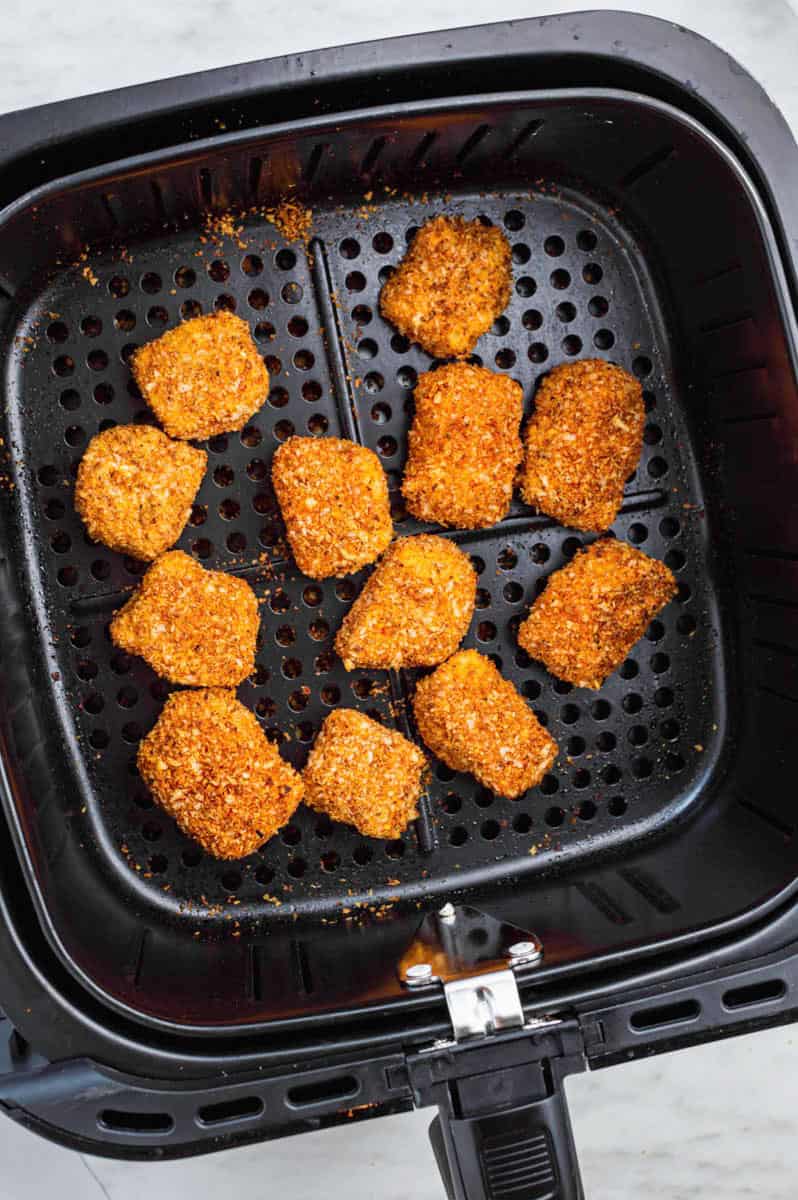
204	377
135	487
582	442
210	765
474	720
594	610
364	775
333	495
414	609
191	625
451	285
464	446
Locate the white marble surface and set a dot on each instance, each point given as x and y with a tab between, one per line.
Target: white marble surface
717	1121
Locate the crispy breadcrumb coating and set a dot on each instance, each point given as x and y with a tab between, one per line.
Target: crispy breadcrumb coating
192	626
135	487
414	609
594	610
464	446
204	377
365	775
210	765
333	495
582	442
452	283
474	720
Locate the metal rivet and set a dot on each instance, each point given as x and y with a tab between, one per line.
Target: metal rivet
525	953
418	975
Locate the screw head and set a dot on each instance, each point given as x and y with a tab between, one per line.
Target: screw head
525	953
418	975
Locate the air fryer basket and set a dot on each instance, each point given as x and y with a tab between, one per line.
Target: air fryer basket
588	187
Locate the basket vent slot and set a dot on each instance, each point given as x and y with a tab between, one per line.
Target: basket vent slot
372	154
230	1110
422	149
136	1122
667	1014
471	143
646	166
529	131
340	1087
754	993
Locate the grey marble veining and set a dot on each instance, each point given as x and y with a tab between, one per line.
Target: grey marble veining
716	1121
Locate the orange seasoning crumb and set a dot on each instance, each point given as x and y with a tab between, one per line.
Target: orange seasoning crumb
333	496
415	608
474	720
464	446
364	775
209	764
582	442
135	487
291	219
453	282
594	610
203	378
193	626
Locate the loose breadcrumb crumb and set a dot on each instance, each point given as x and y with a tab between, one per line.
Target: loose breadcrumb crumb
594	610
464	446
135	487
452	283
191	625
203	378
364	775
210	765
474	720
291	219
333	496
414	609
582	442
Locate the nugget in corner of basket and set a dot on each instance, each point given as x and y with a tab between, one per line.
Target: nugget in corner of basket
364	775
193	626
593	610
474	720
582	442
451	285
333	496
414	609
209	764
135	487
464	446
203	378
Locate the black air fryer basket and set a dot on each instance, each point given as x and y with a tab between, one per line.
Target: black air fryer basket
160	1003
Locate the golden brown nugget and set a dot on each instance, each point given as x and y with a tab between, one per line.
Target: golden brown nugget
414	609
364	775
204	377
464	446
333	495
210	765
594	610
474	720
191	625
135	487
582	442
451	285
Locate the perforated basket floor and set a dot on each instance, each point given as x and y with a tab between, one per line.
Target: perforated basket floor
631	755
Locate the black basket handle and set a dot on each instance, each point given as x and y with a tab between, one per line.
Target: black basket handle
524	1152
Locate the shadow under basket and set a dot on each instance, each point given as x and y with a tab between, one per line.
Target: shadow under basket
669	814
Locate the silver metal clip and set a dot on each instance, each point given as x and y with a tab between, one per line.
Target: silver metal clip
484	1004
